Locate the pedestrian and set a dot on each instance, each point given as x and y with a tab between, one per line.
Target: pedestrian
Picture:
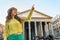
50	37
1	32
13	26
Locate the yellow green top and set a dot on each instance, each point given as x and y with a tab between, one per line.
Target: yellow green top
14	26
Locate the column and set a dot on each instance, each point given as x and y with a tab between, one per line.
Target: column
46	29
41	30
35	30
29	31
51	28
23	30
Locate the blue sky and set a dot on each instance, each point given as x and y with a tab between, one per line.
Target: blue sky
49	7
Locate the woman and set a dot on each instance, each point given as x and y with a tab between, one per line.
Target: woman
13	26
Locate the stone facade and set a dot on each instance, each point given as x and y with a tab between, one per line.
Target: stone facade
38	25
56	25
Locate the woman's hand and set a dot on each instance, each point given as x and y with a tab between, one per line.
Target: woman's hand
33	7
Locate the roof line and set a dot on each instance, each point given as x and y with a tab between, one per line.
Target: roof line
42	13
35	11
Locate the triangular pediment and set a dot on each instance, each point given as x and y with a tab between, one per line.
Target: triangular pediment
36	14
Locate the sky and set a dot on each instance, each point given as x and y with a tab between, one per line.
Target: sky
49	7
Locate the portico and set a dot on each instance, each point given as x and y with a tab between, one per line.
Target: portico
38	25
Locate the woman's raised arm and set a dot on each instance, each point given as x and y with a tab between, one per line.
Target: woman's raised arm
29	16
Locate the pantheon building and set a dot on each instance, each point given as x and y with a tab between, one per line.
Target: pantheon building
38	25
